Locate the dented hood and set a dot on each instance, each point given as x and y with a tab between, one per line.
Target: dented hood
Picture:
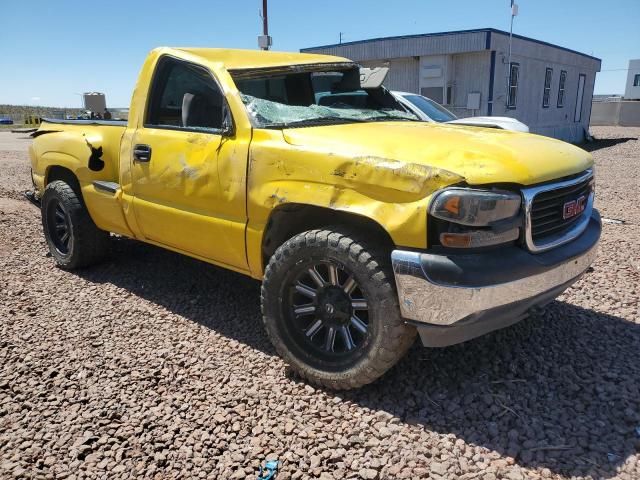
478	155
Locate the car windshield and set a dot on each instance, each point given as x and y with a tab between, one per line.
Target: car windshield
301	99
431	109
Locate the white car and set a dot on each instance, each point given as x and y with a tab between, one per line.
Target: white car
430	111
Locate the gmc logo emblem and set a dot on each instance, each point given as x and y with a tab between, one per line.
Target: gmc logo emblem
574	207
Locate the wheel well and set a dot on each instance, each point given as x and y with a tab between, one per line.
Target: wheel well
291	218
57	172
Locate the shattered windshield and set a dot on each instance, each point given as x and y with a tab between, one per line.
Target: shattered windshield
302	99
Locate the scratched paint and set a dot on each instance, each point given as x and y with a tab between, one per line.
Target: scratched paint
392	174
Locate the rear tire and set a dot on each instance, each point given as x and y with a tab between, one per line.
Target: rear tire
331	309
73	239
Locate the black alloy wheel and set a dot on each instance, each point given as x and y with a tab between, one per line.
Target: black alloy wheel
73	238
330	307
59	227
327	311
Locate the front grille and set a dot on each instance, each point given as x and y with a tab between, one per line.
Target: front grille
547	210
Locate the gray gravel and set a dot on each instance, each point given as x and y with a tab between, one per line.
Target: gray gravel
156	365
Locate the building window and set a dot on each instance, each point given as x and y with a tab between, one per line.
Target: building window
563	80
577	116
636	80
547	87
514	73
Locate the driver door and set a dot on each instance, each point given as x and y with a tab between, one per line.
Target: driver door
189	168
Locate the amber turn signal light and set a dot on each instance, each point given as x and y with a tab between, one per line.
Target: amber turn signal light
456	240
478	238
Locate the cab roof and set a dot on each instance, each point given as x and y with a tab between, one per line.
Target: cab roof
236	59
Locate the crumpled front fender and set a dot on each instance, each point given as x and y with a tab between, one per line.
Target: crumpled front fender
393	193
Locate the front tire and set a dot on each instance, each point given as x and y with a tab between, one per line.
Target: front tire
331	310
73	238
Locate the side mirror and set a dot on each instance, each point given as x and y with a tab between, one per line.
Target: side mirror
228	129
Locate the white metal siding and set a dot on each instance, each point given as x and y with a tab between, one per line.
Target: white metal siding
471	73
631	92
385	49
471	60
534	59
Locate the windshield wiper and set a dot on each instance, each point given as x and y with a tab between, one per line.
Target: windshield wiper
390	119
309	122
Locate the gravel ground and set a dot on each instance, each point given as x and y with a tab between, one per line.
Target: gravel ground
156	365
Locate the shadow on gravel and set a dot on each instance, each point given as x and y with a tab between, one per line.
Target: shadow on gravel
597	144
560	391
221	300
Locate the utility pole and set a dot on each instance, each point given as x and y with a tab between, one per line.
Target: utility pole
514	13
264	40
265	19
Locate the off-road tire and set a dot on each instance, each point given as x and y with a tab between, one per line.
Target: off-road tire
370	265
88	244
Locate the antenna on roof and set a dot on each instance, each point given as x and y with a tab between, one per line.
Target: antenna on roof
264	40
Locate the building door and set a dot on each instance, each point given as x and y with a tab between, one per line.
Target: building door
577	117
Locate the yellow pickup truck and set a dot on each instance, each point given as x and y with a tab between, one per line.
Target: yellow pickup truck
364	224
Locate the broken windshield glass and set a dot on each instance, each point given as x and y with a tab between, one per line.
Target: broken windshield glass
270	114
321	96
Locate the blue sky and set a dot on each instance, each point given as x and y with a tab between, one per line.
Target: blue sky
52	50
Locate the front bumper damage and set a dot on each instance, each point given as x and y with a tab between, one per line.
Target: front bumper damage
454	298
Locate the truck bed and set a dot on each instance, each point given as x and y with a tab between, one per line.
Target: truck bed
89	150
108	123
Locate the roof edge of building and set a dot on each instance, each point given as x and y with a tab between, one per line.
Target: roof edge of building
452	32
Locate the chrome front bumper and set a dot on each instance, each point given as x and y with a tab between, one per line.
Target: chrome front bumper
442	290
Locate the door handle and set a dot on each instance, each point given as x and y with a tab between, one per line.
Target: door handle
142	153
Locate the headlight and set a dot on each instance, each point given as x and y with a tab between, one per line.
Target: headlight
493	214
475	208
